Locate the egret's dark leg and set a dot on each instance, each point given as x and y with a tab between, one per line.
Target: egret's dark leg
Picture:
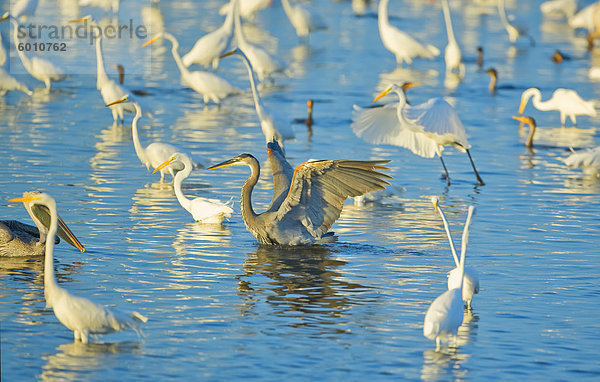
481	183
445	170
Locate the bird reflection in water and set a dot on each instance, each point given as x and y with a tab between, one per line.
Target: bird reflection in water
193	238
304	284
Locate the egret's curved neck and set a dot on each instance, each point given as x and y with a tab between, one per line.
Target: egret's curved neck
24	59
401	104
101	77
382	12
287	8
139	149
50	285
175	52
448	20
502	12
463	245
260	110
179	177
229	19
449	235
239	33
536	100
529	142
248	213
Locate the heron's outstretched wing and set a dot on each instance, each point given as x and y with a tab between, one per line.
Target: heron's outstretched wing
380	125
438	117
319	189
282	174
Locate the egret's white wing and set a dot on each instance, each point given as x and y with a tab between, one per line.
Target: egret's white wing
439	118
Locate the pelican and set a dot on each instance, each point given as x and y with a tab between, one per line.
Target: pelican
423	129
401	44
155	153
588	160
19	239
313	200
9	83
272	126
209	85
452	54
470	285
39	68
204	210
80	315
513	32
446	312
248	8
208	48
303	19
565	101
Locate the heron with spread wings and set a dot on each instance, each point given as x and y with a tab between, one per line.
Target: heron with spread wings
307	201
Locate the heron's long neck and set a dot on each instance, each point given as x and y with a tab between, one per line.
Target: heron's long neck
139	149
24	59
101	77
50	285
179	177
448	20
248	213
529	141
382	11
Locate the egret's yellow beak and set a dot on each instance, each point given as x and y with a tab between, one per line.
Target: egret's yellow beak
88	17
24	199
164	164
151	41
4	16
118	101
229	53
382	94
434	201
522	106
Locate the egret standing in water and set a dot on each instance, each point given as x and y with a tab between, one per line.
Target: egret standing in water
423	129
204	210
313	201
303	19
80	315
452	54
209	85
513	31
20	239
565	101
248	8
471	278
446	312
10	83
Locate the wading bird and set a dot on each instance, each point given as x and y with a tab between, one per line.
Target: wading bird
80	315
209	85
273	127
248	8
308	121
204	210
514	32
401	44
493	85
565	101
588	160
121	70
156	152
39	68
22	9
452	54
105	5
9	83
20	239
446	312
470	285
559	8
313	200
303	19
423	129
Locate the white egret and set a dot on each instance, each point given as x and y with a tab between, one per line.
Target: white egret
3	54
514	32
303	19
79	314
400	43
446	312
204	210
208	48
209	85
9	83
105	5
248	8
155	153
559	8
584	18
23	8
565	101
273	127
19	239
470	285
588	160
423	129
263	63
39	68
452	54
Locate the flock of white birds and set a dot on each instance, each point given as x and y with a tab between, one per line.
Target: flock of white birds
425	129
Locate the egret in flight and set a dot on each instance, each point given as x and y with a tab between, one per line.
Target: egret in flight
273	127
423	129
401	44
313	200
204	210
39	68
446	312
156	152
588	160
20	239
471	279
303	19
565	101
80	315
452	54
209	85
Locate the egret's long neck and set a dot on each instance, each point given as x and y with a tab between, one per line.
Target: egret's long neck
179	177
463	245
239	33
449	235
401	104
24	59
248	213
101	77
228	24
536	100
448	20
257	101
175	52
287	8
502	13
139	149
382	12
50	285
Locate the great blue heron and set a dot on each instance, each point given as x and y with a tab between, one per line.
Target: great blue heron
424	129
306	202
446	312
20	239
471	278
79	314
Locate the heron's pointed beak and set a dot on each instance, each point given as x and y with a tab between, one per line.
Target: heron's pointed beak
43	214
229	53
164	164
382	94
118	101
230	162
151	41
